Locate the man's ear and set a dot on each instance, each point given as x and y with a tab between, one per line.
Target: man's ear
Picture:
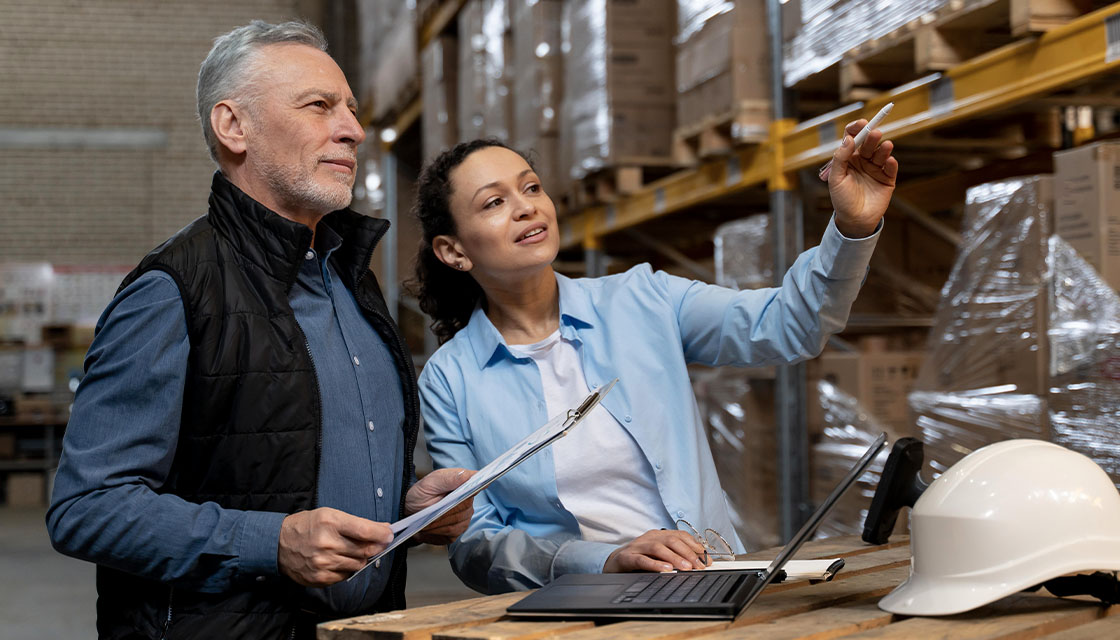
227	119
450	252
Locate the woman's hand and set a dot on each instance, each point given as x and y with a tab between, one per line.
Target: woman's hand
662	550
861	183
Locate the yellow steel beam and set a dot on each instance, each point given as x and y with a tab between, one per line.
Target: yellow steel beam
439	20
986	84
1026	69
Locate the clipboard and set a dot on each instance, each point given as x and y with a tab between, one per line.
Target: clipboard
555	428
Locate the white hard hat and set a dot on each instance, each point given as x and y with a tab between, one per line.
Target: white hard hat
1007	517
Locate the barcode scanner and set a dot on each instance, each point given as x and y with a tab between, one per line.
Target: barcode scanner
900	485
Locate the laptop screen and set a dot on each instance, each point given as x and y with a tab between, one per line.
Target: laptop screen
814	520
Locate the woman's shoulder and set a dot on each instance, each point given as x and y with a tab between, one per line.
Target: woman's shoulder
447	357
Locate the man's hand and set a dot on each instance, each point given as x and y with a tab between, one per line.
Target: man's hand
430	490
662	550
861	183
321	547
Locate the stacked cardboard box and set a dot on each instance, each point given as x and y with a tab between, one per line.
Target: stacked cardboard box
387	33
1087	205
484	96
723	65
619	92
538	86
878	381
25	489
439	73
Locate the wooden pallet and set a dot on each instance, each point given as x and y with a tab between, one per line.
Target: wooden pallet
719	134
847	606
626	176
939	40
942	39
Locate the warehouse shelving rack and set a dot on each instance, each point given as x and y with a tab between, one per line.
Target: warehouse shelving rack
1086	51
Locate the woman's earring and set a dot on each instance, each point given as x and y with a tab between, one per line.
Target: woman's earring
459	266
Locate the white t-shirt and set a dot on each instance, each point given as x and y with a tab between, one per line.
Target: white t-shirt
602	476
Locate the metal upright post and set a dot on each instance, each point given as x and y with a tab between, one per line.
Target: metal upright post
790	389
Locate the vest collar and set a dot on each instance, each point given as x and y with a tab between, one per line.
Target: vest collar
277	245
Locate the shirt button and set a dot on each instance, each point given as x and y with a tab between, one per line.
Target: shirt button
627	418
657	466
356	361
261	578
380	493
309	255
370	425
680	514
377	563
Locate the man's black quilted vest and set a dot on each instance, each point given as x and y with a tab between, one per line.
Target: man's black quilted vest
250	431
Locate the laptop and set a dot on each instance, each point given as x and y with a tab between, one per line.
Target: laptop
690	595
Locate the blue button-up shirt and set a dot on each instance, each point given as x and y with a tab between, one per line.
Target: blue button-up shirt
643	327
124	428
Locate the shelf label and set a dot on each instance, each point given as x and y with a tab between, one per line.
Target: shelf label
734	171
1112	38
659	200
941	95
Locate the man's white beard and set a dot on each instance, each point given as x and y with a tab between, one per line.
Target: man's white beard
295	186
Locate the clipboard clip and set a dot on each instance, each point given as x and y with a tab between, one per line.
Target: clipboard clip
588	404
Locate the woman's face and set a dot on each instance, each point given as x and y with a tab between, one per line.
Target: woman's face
505	222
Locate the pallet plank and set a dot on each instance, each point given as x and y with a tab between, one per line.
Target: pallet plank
513	630
422	622
1018	617
825	624
1105	628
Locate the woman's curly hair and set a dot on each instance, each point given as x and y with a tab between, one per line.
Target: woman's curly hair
447	295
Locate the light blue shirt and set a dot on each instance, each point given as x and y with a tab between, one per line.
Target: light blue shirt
644	328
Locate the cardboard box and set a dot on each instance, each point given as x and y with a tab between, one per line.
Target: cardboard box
724	67
7	446
1087	205
26	490
38	370
880	382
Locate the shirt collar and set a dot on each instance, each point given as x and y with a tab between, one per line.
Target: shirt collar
576	312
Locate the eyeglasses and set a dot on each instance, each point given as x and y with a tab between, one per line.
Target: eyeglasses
714	544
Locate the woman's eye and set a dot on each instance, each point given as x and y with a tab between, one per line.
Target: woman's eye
492	203
533	188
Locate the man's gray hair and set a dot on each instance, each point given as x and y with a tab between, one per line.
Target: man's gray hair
224	73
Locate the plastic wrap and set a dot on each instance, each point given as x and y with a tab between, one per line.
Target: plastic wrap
1084	334
618	83
484	97
439	84
985	376
743	255
538	85
830	28
693	14
737	411
849	432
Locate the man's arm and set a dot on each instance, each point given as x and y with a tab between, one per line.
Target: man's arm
117	454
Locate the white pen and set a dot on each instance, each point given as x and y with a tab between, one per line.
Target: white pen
860	137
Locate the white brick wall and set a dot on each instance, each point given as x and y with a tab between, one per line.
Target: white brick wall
118	64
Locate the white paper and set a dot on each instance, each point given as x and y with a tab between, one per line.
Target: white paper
555	428
812	569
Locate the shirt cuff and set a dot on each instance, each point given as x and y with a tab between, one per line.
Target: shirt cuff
581	556
260	542
844	257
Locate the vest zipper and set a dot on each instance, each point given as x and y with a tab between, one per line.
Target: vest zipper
319	411
167	622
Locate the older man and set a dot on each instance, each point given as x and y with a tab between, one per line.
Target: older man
245	428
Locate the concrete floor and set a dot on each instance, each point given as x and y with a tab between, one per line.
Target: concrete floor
44	594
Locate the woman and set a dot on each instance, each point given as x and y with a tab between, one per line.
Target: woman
522	343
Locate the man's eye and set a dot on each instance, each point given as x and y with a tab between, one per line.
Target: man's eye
321	104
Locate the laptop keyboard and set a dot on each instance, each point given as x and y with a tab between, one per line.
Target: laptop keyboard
675	587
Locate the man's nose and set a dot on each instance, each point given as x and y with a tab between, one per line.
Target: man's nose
348	130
